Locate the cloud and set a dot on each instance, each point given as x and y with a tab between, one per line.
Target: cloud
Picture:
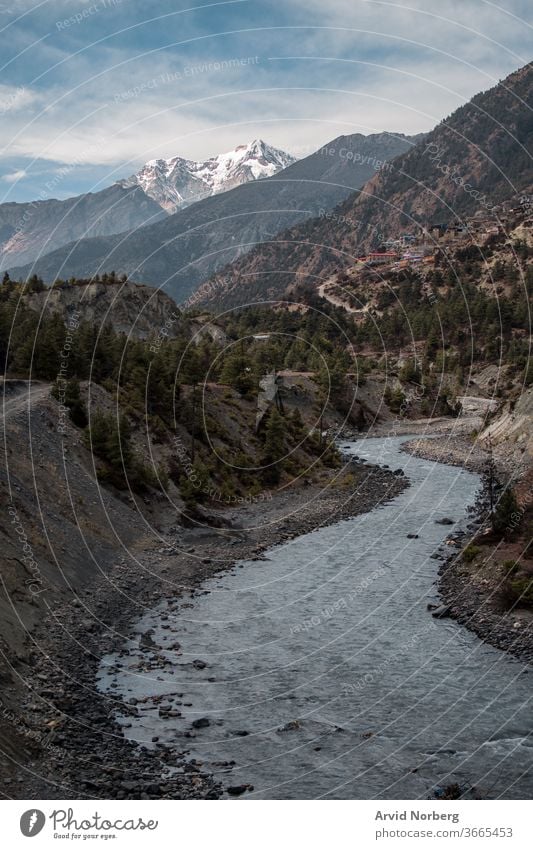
14	177
15	98
118	89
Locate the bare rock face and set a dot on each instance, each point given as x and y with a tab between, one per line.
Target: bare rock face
511	433
269	387
136	310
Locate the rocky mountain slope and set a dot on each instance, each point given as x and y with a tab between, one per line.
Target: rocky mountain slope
133	309
176	183
479	156
511	433
185	248
30	230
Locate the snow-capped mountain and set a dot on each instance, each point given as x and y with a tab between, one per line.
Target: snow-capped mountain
176	183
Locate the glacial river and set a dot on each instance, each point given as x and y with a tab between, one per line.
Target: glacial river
326	676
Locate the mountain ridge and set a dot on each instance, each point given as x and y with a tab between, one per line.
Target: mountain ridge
33	229
36	228
183	249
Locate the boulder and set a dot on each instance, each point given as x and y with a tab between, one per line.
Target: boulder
238	789
441	612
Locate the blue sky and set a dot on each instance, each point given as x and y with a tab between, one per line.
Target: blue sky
91	89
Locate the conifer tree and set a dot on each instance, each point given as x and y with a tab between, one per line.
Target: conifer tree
274	449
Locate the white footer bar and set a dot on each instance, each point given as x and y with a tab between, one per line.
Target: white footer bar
241	824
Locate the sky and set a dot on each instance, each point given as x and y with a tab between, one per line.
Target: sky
92	89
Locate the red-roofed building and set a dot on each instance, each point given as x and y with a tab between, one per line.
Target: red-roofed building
382	256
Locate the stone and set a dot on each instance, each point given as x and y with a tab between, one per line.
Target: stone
238	789
203	722
441	612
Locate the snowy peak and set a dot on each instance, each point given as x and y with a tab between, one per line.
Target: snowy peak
176	183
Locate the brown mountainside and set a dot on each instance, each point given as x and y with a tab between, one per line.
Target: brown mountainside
476	158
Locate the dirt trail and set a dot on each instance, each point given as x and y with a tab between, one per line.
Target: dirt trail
335	300
20	396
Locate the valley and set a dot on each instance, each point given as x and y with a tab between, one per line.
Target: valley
120	538
268	472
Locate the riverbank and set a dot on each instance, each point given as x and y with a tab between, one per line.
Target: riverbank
461	427
472	591
443	439
450	448
75	747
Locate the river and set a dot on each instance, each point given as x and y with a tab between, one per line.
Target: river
326	676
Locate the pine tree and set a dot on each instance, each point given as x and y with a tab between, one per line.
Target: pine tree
274	450
49	342
73	401
506	509
236	371
109	438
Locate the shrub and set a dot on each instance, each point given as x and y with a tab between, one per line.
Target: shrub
72	399
109	438
410	372
470	553
518	590
395	399
503	518
193	484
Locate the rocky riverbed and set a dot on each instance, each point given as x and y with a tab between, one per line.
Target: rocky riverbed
73	747
454	450
319	671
